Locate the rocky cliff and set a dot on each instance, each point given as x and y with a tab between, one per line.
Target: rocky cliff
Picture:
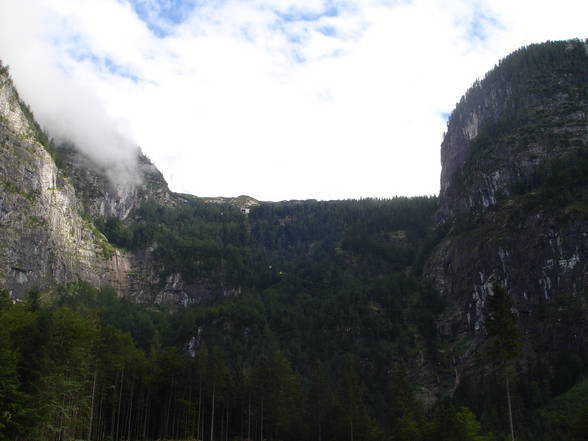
52	196
528	111
513	200
44	240
106	196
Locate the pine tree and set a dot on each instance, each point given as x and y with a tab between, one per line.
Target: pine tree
505	339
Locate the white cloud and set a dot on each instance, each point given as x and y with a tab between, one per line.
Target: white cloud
59	89
251	97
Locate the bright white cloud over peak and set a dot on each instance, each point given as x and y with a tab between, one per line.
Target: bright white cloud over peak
278	99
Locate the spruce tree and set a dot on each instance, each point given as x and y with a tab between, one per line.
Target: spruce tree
505	339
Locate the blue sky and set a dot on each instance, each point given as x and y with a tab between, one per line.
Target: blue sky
278	99
162	15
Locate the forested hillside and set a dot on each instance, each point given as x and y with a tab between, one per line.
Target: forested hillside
330	326
133	313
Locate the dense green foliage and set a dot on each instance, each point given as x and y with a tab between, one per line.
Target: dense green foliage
325	341
560	185
197	239
71	370
547	385
302	240
319	345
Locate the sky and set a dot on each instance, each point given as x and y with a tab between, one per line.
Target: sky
276	99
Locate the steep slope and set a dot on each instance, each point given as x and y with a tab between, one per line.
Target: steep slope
104	196
514	201
43	240
525	113
56	203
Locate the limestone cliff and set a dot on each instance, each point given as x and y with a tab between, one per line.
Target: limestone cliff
44	240
525	113
514	203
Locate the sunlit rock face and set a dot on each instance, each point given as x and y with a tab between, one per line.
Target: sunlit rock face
44	240
513	196
113	190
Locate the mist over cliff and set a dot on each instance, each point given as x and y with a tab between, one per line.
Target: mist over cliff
63	104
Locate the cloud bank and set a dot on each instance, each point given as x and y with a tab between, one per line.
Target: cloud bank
278	99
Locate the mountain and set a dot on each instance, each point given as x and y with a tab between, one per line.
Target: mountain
514	201
361	319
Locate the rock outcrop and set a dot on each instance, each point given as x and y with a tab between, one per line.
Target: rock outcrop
44	240
513	198
525	113
105	197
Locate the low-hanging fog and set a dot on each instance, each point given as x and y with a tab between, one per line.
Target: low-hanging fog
65	108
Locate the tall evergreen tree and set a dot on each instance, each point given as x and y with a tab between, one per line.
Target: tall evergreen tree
505	338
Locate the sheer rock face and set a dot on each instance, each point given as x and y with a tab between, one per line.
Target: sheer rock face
47	235
524	113
105	198
43	238
505	137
